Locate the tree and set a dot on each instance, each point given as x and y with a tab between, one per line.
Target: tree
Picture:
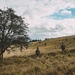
13	30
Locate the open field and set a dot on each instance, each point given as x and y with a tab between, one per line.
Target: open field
51	61
52	45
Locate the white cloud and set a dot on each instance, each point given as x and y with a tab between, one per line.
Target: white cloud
66	12
35	12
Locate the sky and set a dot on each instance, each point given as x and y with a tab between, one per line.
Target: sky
46	18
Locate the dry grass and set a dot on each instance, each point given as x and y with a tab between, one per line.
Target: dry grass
51	61
54	63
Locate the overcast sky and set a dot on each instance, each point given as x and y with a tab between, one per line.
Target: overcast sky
46	18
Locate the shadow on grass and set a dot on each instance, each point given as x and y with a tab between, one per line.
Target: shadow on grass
62	53
72	51
34	56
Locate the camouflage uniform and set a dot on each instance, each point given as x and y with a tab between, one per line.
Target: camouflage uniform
62	47
37	52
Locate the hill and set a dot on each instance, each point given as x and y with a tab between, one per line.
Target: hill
54	44
51	61
45	46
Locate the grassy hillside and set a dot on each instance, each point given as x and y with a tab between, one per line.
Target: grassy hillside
54	44
51	61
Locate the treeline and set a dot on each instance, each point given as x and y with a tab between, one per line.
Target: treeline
35	40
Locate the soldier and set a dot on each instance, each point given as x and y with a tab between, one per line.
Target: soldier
37	51
45	44
63	47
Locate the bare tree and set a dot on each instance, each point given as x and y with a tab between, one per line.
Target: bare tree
13	30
